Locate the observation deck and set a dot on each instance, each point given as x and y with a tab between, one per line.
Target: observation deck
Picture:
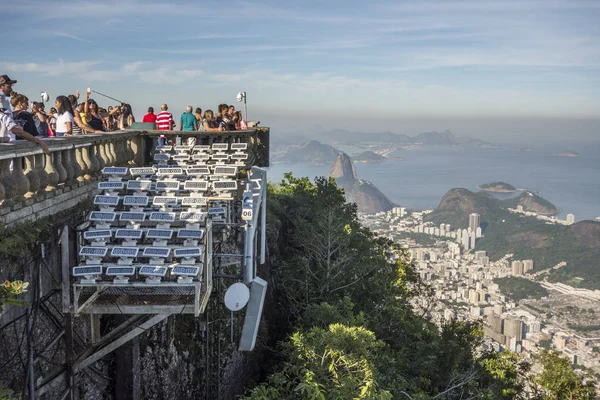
164	219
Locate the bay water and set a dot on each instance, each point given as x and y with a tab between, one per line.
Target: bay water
426	173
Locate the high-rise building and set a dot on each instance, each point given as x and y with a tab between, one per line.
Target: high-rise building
474	220
513	328
527	265
448	228
570	219
517	268
478	232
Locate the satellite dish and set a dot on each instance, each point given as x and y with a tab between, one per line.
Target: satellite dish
237	296
44	97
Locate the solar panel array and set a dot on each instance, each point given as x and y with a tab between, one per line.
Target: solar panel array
150	223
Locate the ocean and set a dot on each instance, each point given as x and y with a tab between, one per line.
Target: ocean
426	173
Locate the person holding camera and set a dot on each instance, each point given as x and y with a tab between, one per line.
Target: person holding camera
40	119
92	116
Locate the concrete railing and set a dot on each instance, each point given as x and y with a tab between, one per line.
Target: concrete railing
28	176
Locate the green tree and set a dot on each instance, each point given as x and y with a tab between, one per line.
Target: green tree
336	363
345	297
506	375
558	381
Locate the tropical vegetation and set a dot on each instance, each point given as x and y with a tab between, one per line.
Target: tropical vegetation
343	324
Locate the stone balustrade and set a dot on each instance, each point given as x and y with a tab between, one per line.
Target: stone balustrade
31	179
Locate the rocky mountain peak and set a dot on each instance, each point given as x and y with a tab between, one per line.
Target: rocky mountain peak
342	168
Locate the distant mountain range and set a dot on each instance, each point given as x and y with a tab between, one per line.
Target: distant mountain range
445	138
316	152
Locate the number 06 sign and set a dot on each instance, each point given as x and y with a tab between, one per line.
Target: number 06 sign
247	206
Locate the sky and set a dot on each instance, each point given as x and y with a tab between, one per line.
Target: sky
484	68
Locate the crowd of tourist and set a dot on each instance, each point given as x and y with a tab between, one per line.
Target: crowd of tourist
226	119
21	119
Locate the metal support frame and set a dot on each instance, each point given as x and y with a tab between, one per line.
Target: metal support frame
66	306
119	342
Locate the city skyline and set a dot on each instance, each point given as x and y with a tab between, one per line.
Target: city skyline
430	65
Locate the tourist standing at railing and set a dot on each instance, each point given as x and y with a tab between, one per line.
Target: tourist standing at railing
52	121
150	117
9	130
64	117
79	127
23	118
164	122
164	119
40	119
208	122
126	119
92	117
114	114
6	91
187	123
198	115
237	119
226	123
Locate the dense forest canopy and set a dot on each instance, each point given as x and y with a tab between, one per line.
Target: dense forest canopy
343	326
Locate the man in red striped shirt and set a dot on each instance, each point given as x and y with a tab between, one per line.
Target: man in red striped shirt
164	119
164	122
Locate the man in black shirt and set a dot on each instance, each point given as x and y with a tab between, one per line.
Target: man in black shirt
24	119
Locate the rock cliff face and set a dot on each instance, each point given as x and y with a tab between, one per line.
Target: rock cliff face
367	197
342	168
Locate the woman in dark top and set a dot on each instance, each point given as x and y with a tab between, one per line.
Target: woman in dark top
92	117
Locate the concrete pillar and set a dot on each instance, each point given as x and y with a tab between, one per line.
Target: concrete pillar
32	176
51	172
20	179
41	172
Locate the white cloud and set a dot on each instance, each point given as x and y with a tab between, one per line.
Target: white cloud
132	67
74	37
53	68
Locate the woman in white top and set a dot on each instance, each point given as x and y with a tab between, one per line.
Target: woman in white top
64	117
